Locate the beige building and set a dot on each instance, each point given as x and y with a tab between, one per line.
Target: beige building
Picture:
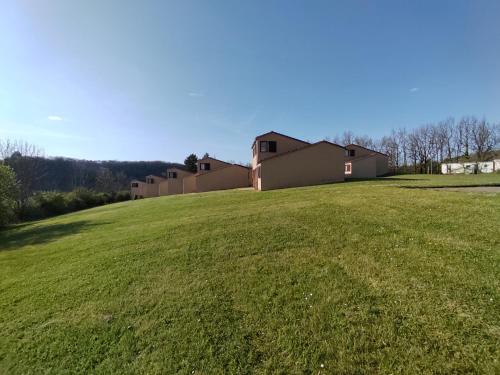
156	186
361	162
173	184
215	174
280	161
148	189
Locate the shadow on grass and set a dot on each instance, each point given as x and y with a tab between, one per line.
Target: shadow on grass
493	184
26	235
384	179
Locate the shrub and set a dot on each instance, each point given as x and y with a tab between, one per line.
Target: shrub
8	194
50	203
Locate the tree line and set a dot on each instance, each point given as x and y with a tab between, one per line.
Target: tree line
424	148
34	186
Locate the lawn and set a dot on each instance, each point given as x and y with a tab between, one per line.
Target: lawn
357	277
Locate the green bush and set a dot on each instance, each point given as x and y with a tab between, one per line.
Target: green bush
51	203
8	194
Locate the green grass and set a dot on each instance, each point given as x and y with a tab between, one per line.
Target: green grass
359	277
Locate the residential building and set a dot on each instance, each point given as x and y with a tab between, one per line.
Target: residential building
173	184
280	161
361	162
148	189
213	174
471	167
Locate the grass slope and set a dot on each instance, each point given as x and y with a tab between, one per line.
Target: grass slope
346	278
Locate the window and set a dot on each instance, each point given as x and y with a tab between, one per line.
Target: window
150	180
204	166
172	175
135	184
348	168
258	172
267	146
351	152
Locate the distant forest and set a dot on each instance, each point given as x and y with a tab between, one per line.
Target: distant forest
64	174
35	172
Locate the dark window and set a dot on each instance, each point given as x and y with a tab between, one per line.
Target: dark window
135	184
150	181
352	152
172	175
272	146
267	146
204	166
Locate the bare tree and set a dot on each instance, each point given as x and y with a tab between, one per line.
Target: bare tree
347	138
483	138
364	141
26	160
402	138
464	130
389	145
105	181
447	133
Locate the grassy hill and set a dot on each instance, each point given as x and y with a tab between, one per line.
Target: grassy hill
359	277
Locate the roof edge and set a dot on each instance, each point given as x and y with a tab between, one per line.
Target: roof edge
280	134
366	148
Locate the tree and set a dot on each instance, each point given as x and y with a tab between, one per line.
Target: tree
483	138
464	134
347	138
27	161
402	139
447	135
108	182
8	194
364	141
190	163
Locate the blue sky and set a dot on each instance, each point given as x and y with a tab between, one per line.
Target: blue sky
157	80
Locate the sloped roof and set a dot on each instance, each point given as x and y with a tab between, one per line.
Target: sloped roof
281	135
211	158
300	149
365	148
178	169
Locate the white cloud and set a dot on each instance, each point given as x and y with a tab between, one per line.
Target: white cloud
26	131
55	118
196	94
414	89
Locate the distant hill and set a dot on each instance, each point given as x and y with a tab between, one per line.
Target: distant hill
65	174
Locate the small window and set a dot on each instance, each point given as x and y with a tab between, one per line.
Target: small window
150	180
172	175
348	168
352	152
204	166
267	146
135	184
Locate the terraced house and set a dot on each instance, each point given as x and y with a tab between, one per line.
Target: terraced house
280	161
214	174
148	189
156	186
361	162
